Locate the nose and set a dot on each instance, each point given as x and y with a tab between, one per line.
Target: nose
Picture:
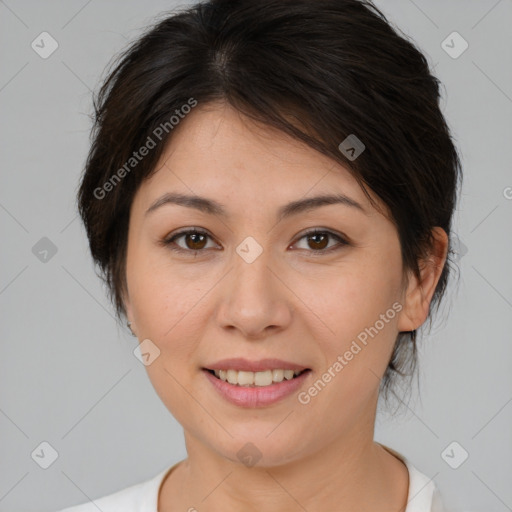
254	299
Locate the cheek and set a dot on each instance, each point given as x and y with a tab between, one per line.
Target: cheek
168	312
169	307
360	308
356	305
159	296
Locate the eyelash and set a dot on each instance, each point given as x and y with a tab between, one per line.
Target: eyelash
170	242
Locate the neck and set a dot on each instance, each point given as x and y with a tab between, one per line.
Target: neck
350	473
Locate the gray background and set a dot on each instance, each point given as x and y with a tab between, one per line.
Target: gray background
68	375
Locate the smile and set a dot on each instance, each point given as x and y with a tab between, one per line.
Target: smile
248	389
252	379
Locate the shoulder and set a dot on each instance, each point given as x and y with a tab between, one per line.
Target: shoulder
141	497
423	495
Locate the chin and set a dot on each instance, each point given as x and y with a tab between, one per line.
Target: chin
259	449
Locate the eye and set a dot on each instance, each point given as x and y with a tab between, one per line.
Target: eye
194	240
318	241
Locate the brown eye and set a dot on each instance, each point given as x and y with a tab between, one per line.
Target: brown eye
194	240
317	241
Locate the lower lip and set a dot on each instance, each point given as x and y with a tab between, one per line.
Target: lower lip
257	396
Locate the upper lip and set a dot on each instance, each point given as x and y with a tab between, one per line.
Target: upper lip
239	363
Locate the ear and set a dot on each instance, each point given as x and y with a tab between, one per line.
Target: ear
420	291
128	312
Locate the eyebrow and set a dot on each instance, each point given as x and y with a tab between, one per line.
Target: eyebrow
212	207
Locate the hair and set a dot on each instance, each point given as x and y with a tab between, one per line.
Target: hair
318	71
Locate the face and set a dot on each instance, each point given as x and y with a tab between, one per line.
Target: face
250	283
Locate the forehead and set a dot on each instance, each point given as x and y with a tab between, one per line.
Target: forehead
216	151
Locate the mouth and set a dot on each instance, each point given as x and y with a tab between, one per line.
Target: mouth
256	379
256	389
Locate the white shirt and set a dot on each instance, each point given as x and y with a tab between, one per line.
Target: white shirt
423	494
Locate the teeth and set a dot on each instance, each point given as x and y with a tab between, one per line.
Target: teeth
265	378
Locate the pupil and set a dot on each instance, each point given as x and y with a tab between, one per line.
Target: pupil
194	241
320	244
323	236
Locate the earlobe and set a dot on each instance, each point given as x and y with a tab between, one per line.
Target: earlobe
128	313
131	327
421	290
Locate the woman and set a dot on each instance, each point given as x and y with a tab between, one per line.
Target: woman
269	196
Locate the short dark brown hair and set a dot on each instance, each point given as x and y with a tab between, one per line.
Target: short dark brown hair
318	70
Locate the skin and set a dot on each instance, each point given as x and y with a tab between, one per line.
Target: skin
290	303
